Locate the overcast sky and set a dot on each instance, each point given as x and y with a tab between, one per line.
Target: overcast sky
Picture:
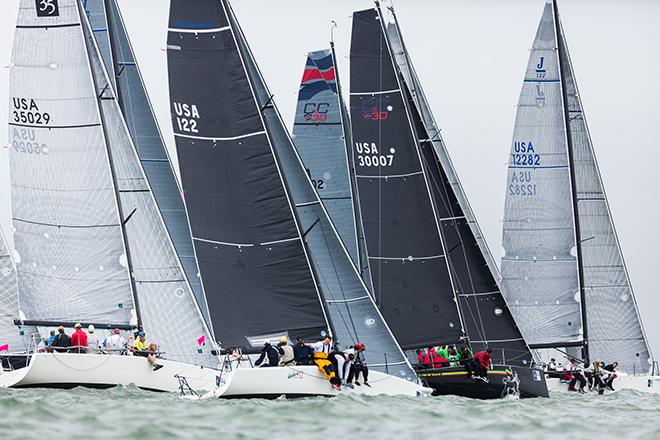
471	57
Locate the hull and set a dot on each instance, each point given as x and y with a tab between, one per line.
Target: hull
304	381
645	384
503	381
70	370
10	362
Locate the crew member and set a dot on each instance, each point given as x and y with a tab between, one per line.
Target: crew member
78	340
269	352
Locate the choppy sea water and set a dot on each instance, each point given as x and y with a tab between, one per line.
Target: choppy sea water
130	413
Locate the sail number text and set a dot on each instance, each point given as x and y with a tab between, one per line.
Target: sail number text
521	184
369	156
26	111
524	155
187	116
25	141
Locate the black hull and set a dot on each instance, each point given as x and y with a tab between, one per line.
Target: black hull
503	380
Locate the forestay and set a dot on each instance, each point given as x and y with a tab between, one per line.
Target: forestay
352	312
121	65
614	326
485	313
410	272
70	254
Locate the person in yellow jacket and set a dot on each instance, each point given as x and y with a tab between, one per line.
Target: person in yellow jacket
327	369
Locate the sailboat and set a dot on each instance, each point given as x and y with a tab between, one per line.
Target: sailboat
91	244
434	278
563	270
271	261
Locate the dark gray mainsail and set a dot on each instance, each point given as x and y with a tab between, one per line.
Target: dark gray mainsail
409	268
123	70
567	291
318	264
485	312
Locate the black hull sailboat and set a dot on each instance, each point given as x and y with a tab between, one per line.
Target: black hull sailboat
433	276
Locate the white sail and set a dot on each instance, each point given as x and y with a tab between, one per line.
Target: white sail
70	252
539	267
167	308
614	327
10	334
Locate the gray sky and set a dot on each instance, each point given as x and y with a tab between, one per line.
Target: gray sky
471	57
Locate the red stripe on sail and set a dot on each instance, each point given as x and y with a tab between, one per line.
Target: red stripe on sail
313	73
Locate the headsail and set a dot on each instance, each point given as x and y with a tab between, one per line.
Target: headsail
486	315
11	338
168	310
121	65
409	268
615	330
71	260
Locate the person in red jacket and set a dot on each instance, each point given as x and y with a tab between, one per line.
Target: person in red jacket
437	360
78	340
483	362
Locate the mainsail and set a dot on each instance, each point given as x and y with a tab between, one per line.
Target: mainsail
485	312
322	135
564	291
121	65
154	279
70	254
267	237
433	273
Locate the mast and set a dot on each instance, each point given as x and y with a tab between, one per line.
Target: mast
122	221
431	198
571	170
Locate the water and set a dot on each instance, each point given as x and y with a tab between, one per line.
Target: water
129	413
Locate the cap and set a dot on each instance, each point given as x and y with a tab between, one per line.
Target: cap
359	346
60	329
283	340
90	328
141	334
78	325
116	331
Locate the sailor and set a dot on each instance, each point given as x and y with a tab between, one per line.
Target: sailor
469	362
303	353
92	340
152	355
140	344
51	338
552	365
611	369
78	340
62	341
578	376
286	352
483	359
323	346
115	343
270	352
359	366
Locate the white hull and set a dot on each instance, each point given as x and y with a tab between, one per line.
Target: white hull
68	370
646	384
302	381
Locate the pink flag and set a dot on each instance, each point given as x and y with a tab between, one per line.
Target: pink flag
4	347
201	339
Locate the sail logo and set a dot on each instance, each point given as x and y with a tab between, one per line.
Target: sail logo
376	108
295	375
314	112
540	68
540	96
26	111
187	116
47	8
368	155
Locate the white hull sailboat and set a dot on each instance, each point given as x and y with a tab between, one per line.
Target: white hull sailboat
70	370
645	384
304	381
